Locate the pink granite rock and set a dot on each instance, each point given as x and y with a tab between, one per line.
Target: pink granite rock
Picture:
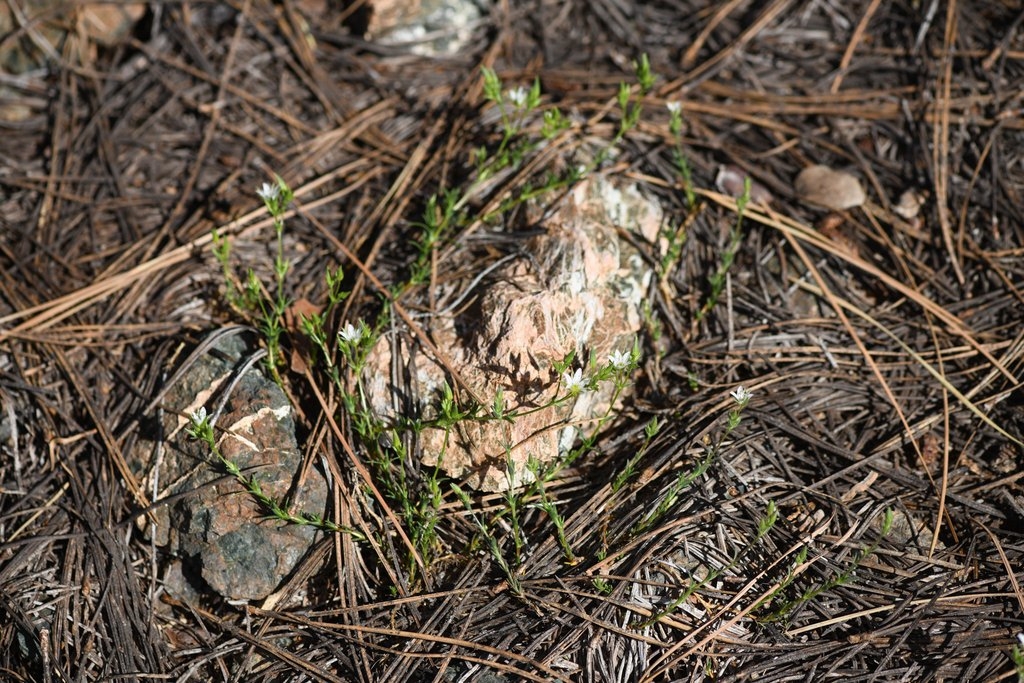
580	292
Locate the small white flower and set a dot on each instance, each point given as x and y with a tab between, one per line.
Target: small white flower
741	395
619	360
351	334
199	416
1020	639
268	192
674	107
574	382
517	96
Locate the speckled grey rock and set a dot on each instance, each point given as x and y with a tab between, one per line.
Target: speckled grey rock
428	27
217	529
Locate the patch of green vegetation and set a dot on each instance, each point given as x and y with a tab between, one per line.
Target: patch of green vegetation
676	238
765	524
265	309
686	478
618	370
787	606
717	280
629	469
340	349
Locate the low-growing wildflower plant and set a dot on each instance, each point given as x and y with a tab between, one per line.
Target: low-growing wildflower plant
525	125
742	398
266	309
717	280
677	237
784	607
355	342
617	370
675	117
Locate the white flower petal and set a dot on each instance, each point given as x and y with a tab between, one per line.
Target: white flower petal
268	192
574	381
618	359
741	395
351	334
517	96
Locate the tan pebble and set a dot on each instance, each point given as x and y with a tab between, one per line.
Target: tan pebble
823	186
730	181
910	203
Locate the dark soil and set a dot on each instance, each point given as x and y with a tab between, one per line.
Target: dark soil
884	352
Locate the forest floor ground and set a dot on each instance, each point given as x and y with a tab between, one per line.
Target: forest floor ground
858	516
